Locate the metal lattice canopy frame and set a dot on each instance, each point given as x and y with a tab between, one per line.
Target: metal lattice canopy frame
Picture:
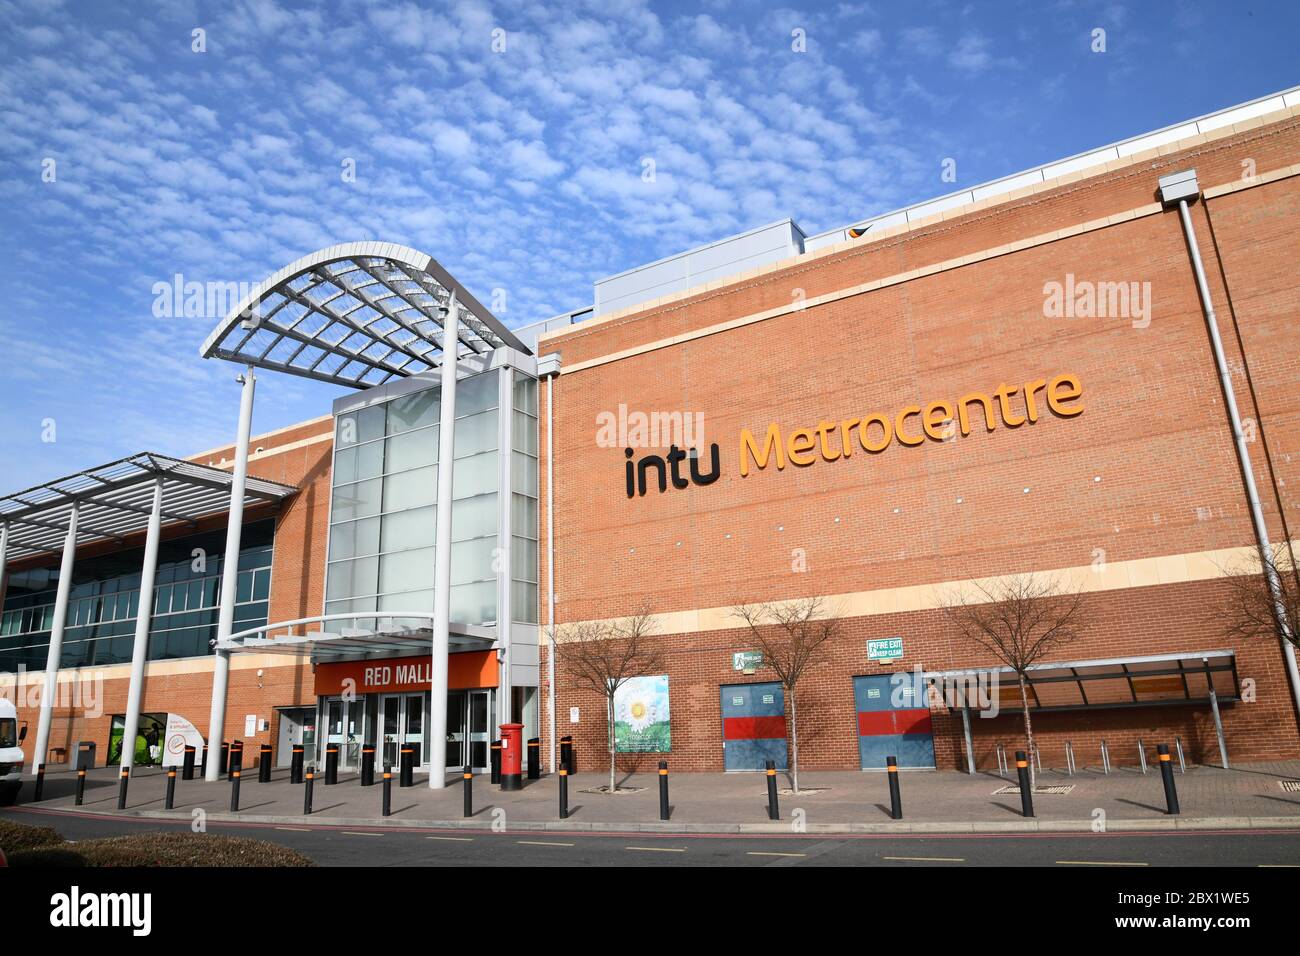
114	501
356	314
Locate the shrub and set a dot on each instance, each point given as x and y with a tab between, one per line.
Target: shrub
46	856
187	849
19	836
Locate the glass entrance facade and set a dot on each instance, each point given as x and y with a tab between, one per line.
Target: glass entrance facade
391	721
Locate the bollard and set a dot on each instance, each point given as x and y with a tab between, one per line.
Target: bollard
367	766
566	752
1026	792
564	793
295	764
40	783
773	809
81	785
237	755
306	791
234	790
187	764
895	798
225	758
123	781
264	764
663	790
203	759
1105	758
388	788
1069	758
407	767
496	762
1167	774
1182	764
331	765
171	789
534	758
469	791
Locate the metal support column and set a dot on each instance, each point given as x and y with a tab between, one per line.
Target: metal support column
230	577
505	540
143	618
550	564
1218	723
970	746
56	642
442	551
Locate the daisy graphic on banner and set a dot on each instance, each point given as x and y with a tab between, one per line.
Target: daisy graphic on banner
641	716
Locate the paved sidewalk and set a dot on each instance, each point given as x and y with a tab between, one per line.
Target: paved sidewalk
1247	797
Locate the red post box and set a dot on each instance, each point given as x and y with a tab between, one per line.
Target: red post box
512	754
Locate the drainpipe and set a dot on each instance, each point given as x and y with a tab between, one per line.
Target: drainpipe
1180	189
548	367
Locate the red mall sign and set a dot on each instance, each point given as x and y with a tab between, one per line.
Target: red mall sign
466	670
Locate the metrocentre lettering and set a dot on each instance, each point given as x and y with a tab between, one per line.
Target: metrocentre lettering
937	421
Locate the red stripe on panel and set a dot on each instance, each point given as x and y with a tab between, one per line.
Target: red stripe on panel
753	728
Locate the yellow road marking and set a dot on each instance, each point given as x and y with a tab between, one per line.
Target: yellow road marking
452	839
1096	863
657	849
540	843
769	853
929	859
296	829
359	833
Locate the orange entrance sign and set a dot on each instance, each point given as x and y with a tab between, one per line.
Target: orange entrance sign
471	669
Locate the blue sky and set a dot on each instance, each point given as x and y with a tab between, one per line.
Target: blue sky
519	168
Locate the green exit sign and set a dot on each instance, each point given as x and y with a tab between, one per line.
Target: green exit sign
746	660
888	649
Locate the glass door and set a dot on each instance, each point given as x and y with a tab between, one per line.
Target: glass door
413	727
457	716
342	727
480	707
390	722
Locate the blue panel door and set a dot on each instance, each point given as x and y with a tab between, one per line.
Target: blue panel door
893	720
753	726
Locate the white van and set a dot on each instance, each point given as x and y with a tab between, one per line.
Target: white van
11	755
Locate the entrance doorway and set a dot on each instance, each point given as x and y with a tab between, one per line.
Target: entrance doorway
297	726
753	726
468	729
343	727
893	721
402	722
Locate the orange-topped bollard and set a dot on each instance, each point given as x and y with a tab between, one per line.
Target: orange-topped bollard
512	756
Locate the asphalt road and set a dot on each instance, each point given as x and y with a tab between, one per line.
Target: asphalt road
361	846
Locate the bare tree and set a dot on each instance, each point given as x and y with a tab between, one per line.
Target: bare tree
793	636
1020	620
602	656
1252	610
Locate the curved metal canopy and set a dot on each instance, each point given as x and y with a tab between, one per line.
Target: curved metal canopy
356	314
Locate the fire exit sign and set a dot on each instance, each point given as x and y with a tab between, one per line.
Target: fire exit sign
888	649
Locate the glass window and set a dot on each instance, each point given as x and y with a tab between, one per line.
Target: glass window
526	394
347	579
524	598
353	539
409	529
412	450
243	590
474	517
411	489
476	433
407	570
261	584
523	555
413	411
524	475
409	601
474	603
356	501
475	476
525	434
473	560
360	426
358	462
523	516
475	394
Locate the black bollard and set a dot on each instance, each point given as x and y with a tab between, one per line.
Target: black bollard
123	780
187	765
264	764
469	792
663	790
367	766
564	794
1026	791
171	789
895	797
295	765
773	809
496	762
310	781
237	755
225	758
203	760
40	783
331	765
234	790
81	785
566	752
534	758
1167	774
407	768
388	789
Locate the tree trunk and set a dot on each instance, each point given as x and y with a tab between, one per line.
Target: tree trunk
609	723
1029	728
794	737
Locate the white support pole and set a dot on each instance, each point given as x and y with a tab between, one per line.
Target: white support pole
442	551
143	619
56	642
550	569
505	540
229	578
